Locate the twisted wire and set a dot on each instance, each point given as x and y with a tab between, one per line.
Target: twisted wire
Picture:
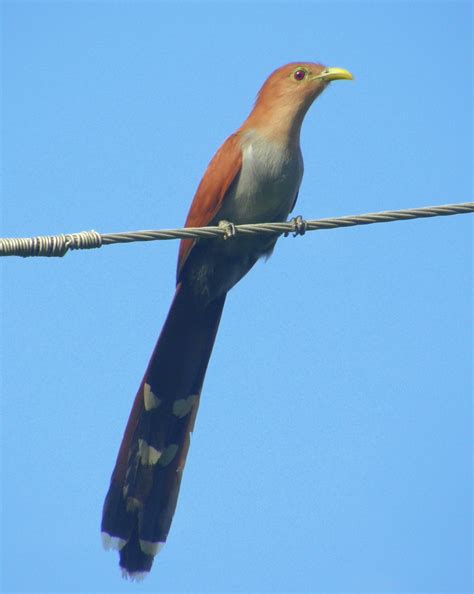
59	245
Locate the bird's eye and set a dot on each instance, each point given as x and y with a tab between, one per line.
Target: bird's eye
299	74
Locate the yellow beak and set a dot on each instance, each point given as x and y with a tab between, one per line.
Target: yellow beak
329	74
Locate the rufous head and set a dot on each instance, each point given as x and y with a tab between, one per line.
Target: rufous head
287	94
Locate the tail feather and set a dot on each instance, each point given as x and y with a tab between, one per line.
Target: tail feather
144	487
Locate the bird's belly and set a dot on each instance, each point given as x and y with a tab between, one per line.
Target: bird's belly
264	191
266	188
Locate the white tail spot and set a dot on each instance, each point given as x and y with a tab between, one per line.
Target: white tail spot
148	454
151	400
133	504
112	542
182	406
168	454
134	576
151	548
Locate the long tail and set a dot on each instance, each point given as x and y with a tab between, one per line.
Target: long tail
144	487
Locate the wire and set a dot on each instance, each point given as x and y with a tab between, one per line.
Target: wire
59	245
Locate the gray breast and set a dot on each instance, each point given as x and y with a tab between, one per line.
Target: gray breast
267	185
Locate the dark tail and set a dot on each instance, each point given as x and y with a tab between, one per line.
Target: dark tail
145	482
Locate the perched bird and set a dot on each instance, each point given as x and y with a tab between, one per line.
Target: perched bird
254	177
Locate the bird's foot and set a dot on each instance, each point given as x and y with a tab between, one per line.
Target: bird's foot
299	226
229	229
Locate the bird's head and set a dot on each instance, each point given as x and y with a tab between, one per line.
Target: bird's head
289	91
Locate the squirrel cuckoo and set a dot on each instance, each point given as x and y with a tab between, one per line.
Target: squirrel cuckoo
254	177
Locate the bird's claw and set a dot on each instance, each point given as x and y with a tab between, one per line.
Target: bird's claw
229	229
299	226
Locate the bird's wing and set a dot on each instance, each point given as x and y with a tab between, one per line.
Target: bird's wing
218	177
294	201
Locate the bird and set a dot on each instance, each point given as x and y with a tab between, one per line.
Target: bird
254	177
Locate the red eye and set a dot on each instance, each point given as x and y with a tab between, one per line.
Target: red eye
299	74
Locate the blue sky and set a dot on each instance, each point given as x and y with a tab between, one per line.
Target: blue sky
332	450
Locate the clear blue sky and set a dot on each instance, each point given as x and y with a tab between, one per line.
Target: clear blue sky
332	450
